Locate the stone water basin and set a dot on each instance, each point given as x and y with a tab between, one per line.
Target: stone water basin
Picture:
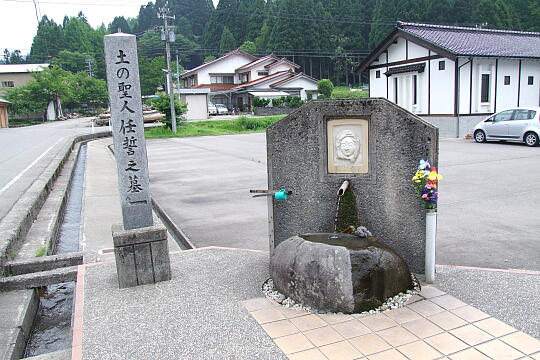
338	272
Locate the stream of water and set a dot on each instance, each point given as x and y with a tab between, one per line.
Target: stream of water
51	330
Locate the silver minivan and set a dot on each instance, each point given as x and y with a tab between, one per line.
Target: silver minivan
519	124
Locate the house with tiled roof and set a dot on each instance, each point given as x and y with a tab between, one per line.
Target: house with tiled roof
455	76
237	77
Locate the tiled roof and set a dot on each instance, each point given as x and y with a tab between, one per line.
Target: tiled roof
266	78
464	41
281	82
215	87
237	51
281	61
258	61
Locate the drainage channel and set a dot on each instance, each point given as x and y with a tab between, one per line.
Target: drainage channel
51	330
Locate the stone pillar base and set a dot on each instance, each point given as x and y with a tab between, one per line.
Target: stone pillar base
142	255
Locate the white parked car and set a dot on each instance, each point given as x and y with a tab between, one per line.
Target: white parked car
212	109
222	109
520	124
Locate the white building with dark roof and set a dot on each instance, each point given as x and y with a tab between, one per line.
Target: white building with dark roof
15	75
237	77
455	76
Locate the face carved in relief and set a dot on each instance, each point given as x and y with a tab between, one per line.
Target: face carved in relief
347	145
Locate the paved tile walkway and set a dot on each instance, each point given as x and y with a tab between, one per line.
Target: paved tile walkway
433	325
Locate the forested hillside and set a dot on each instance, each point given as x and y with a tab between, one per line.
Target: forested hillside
327	38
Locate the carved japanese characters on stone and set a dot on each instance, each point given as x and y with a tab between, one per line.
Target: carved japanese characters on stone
347	146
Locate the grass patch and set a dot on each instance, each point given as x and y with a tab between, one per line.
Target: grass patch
24	122
344	92
240	125
41	251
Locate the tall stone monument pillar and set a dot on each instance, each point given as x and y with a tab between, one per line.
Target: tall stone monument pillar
140	246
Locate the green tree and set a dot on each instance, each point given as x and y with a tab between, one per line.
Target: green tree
86	92
227	42
163	105
325	88
48	42
249	47
73	61
13	57
192	15
119	23
151	74
78	36
49	84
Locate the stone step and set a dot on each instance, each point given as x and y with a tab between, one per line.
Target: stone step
17	311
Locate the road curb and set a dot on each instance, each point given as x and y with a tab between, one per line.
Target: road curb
181	238
17	222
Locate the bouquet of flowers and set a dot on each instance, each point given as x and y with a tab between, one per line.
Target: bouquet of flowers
426	179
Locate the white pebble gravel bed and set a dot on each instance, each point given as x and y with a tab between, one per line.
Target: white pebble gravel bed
391	303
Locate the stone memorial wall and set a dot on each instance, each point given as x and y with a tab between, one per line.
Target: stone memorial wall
373	144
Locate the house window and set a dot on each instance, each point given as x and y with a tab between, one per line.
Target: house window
507	80
262	73
221	79
530	80
244	77
396	90
378	74
442	65
415	89
8	84
484	90
192	81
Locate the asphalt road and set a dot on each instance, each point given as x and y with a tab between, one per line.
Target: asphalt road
488	213
26	152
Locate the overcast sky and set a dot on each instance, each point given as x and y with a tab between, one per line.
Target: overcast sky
18	22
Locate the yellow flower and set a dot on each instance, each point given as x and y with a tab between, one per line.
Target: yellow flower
420	174
434	176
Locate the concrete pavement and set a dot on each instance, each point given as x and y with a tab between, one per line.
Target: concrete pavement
203	184
27	151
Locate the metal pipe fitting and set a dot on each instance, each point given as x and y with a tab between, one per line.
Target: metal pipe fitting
343	188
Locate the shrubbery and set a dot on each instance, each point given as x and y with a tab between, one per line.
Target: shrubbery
163	105
325	88
260	102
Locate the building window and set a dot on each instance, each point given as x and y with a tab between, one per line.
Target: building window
192	81
396	90
221	79
262	73
530	80
244	77
415	89
507	80
484	90
442	65
378	74
8	84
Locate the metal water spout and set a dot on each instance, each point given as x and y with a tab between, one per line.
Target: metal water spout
343	188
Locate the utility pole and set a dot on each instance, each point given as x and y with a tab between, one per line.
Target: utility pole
177	72
89	69
167	34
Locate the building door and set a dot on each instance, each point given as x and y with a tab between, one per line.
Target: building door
3	116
